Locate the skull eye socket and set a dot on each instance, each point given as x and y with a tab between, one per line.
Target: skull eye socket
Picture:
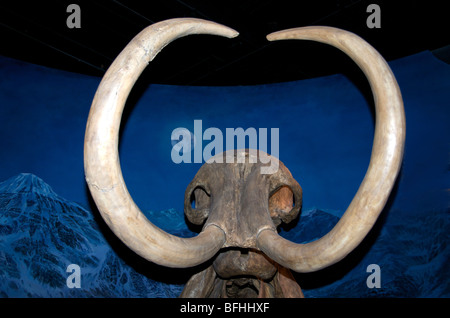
197	205
282	205
200	199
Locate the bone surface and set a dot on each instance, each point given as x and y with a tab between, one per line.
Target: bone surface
384	166
101	158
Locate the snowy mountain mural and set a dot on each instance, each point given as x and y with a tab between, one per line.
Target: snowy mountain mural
412	252
41	234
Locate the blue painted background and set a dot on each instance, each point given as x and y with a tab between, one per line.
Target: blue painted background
326	130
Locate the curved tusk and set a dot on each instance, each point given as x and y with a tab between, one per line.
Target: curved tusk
385	161
101	157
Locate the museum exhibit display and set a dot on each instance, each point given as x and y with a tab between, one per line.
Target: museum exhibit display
305	160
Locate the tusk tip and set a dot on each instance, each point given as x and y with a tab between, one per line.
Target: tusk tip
294	33
304	33
220	29
230	33
273	36
233	34
288	34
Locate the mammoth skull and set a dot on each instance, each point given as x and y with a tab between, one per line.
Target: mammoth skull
238	206
237	197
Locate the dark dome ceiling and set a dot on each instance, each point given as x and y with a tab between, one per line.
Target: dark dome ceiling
37	32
